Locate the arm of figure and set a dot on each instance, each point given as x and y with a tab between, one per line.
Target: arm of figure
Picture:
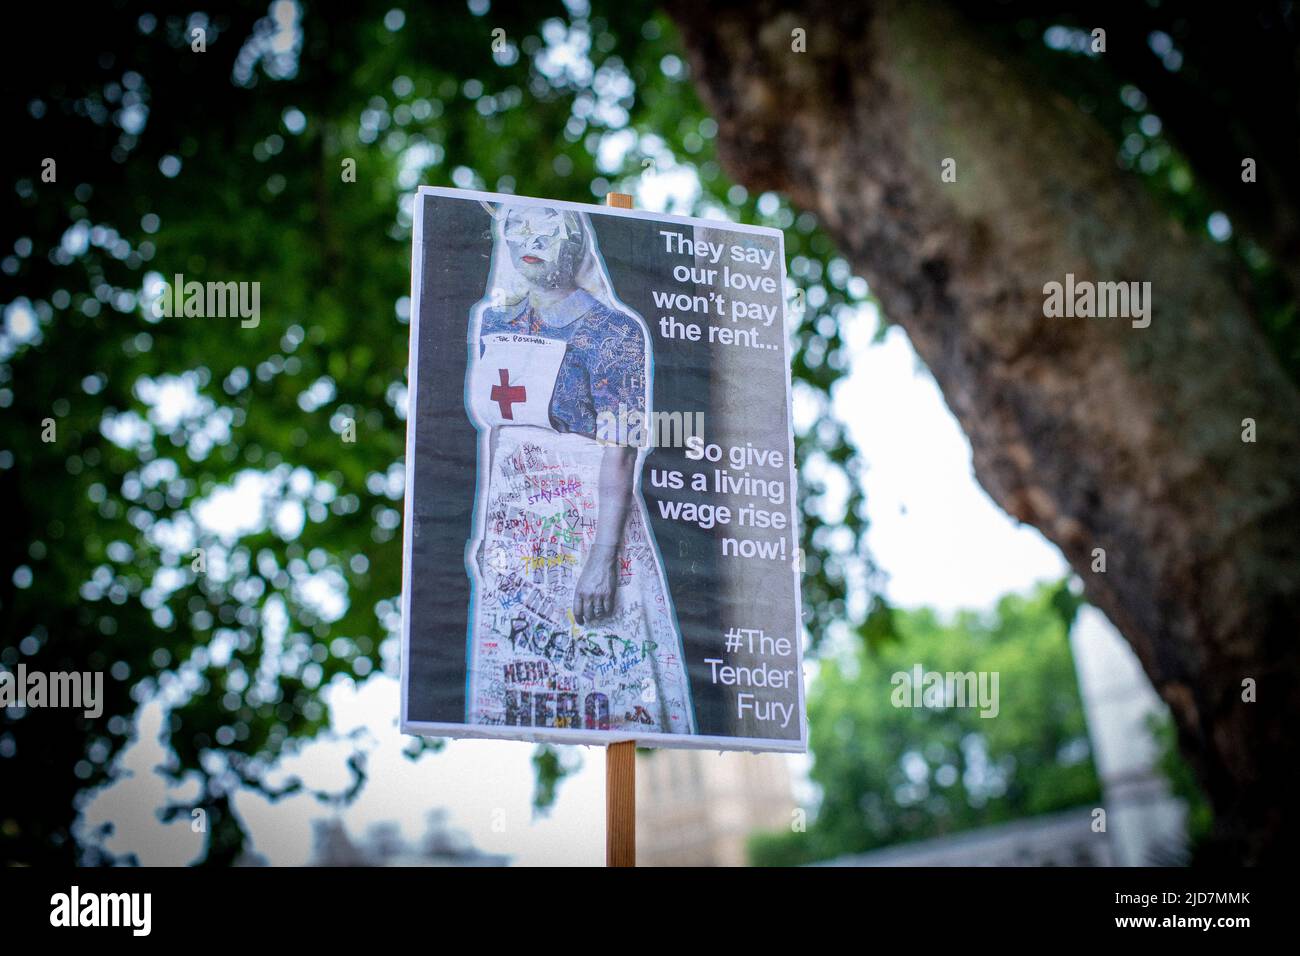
485	475
593	598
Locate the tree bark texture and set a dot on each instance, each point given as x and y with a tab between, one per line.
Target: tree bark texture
1100	434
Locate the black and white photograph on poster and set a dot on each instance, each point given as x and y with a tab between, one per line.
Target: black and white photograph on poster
600	539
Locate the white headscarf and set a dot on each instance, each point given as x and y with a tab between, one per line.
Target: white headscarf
506	287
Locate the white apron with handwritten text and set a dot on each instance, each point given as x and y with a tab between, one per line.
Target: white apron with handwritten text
531	664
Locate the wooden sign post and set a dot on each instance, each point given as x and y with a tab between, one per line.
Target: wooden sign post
620	758
620	804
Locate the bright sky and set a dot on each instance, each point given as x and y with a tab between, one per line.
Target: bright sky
933	529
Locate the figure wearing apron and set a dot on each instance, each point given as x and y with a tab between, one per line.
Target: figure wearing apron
539	378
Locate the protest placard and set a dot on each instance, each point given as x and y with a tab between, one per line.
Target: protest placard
601	538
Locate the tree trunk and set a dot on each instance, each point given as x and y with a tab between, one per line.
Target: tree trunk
1099	433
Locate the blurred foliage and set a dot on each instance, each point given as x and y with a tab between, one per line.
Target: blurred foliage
1187	92
890	774
226	165
551	765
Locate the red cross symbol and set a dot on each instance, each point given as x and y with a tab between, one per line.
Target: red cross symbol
505	395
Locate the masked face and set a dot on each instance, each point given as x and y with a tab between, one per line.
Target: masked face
545	245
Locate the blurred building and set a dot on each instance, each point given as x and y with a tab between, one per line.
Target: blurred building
383	845
1146	823
1055	839
697	808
